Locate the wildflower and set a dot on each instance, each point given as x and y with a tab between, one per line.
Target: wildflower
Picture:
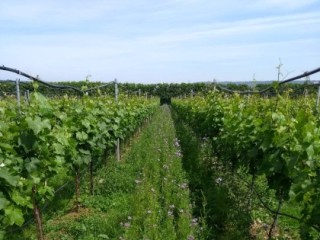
176	142
170	213
152	190
137	181
149	211
181	211
2	165
184	185
194	222
172	206
127	225
218	180
129	218
101	180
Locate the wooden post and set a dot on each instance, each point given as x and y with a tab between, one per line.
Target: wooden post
18	94
318	96
27	96
116	92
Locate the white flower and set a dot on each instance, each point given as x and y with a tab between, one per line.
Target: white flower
101	180
2	165
194	222
184	185
137	181
127	225
165	166
176	143
219	180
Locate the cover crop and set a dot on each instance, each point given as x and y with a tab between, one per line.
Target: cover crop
48	136
277	138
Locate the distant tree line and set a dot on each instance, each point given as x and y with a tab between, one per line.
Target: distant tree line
163	90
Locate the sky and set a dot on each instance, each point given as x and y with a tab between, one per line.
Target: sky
163	41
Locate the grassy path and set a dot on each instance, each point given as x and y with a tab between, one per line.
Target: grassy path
145	196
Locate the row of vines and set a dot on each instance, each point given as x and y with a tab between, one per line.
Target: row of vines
276	138
44	138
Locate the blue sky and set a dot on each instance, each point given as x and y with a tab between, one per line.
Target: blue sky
159	41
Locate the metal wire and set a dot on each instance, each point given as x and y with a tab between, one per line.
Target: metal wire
102	86
38	80
305	74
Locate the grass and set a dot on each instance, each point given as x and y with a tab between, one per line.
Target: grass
218	198
164	188
222	198
144	196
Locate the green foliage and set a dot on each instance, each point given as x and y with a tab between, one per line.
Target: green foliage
276	139
48	135
219	198
146	195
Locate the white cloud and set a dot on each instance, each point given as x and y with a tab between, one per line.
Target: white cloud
228	29
143	40
54	12
282	4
